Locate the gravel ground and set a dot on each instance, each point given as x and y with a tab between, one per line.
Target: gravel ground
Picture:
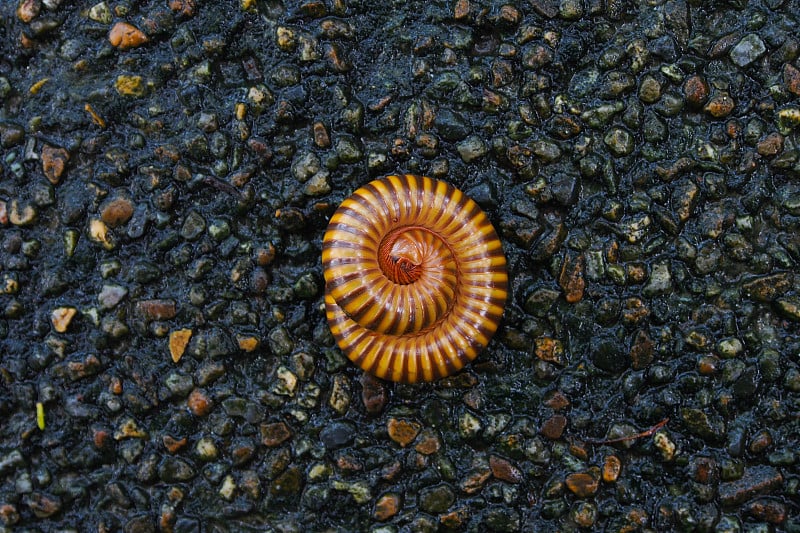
168	168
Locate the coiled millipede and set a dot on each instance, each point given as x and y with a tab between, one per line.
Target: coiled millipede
415	278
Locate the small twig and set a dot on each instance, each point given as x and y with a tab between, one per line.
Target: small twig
647	433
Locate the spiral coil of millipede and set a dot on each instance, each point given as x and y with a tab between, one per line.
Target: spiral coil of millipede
415	278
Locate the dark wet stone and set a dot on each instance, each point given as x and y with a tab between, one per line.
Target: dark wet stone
289	483
756	480
749	49
437	499
193	226
609	354
280	342
619	141
664	47
451	125
502	519
140	524
703	425
337	435
174	470
11	134
306	285
790	307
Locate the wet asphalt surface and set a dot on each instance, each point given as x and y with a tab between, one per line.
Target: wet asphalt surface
167	171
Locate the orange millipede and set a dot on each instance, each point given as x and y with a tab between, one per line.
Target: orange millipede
415	278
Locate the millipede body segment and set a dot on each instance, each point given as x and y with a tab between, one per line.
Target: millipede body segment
415	278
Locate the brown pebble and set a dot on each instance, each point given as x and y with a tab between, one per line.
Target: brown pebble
373	394
184	7
461	9
265	255
768	288
720	105
475	480
454	519
348	463
199	403
770	145
177	343
636	272
391	471
428	442
509	15
100	438
634	311
172	444
275	434
3	213
28	9
474	399
502	469
336	57
571	279
758	479
43	505
771	511
556	400
550	350
554	427
386	507
54	161
314	9
125	36
612	467
583	484
578	449
791	77
705	470
9	515
696	91
403	432
723	44
707	365
156	309
761	441
642	350
116	211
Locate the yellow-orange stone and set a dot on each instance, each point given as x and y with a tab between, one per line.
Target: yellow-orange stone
28	9
130	85
177	343
61	317
116	211
54	161
611	468
583	484
386	507
403	432
125	36
199	403
248	344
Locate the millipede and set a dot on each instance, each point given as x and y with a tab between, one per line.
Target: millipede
415	278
